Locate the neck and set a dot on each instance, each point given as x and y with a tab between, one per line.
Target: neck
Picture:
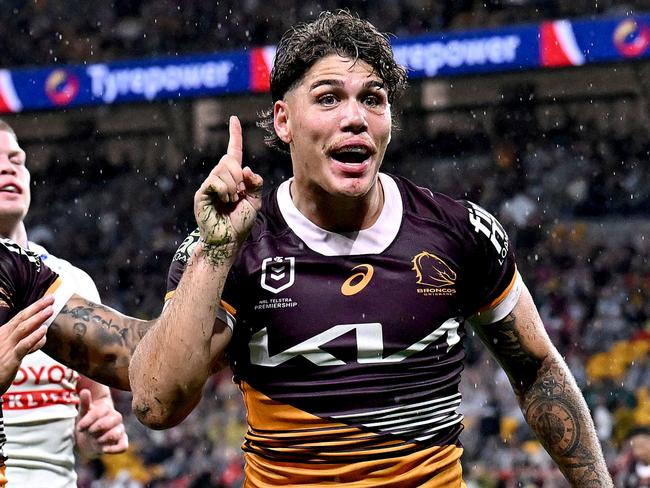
14	230
338	213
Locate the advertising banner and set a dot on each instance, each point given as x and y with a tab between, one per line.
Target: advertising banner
552	44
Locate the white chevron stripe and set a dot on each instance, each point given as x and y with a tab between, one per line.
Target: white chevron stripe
421	427
418	419
432	417
401	408
439	427
418	410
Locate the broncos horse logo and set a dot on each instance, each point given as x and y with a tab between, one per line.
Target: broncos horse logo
433	271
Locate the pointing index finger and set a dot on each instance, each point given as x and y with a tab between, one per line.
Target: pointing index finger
235	141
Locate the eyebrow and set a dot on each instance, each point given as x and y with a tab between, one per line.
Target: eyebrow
338	83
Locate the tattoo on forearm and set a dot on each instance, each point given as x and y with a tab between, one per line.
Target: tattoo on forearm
217	255
95	341
559	417
79	329
551	402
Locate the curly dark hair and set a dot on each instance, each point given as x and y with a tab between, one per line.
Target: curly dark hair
341	33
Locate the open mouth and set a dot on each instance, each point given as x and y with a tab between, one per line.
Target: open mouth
9	189
351	154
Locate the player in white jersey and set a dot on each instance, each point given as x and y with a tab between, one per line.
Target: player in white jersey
41	416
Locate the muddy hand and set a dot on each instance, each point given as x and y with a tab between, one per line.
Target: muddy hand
227	203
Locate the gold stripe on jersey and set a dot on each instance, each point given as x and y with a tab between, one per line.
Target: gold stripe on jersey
503	294
432	467
228	308
53	287
62	290
286	446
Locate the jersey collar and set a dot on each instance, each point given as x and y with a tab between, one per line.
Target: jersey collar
373	240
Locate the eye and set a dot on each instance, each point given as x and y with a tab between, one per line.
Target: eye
327	100
17	160
372	101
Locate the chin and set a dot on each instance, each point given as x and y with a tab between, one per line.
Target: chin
355	187
8	212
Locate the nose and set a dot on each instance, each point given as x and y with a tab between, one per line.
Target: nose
354	117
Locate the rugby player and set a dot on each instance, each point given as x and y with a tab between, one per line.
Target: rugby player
341	299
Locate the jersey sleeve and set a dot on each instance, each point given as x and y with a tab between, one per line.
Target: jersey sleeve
495	282
24	279
86	287
225	312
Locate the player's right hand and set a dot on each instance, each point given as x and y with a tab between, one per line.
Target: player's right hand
20	336
99	428
226	204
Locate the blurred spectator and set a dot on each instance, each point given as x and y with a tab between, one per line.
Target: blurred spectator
633	466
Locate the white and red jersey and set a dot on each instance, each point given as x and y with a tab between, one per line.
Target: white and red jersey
40	407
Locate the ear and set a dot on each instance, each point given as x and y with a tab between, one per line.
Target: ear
281	121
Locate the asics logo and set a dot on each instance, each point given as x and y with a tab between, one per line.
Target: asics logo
358	281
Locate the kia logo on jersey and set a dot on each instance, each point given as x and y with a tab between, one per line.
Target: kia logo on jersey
278	273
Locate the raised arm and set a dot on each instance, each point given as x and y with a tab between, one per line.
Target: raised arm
547	393
174	360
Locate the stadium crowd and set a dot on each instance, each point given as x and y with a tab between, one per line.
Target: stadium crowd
122	223
551	189
78	31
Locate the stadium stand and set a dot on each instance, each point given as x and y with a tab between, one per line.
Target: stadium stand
114	196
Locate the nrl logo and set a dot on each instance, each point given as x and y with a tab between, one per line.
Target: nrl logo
278	273
433	272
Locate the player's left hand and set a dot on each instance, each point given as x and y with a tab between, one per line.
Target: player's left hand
21	335
99	428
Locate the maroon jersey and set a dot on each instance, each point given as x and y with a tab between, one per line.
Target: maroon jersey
23	280
348	348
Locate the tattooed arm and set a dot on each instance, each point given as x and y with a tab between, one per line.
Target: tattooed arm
95	340
547	393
